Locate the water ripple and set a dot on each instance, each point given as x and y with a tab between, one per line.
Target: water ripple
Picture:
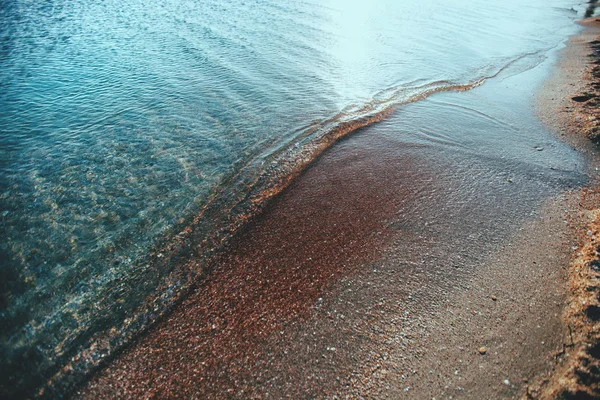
123	125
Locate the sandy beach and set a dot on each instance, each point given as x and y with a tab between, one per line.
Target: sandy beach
390	269
571	93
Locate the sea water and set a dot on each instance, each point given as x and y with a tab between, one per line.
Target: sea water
135	136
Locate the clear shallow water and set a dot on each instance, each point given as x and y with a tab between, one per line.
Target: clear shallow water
120	123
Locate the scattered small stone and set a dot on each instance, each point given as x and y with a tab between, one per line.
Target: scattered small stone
506	382
581	99
482	350
493	298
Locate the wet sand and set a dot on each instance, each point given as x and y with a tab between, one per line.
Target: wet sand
381	271
305	304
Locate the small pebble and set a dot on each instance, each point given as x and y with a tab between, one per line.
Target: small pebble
506	382
493	298
482	350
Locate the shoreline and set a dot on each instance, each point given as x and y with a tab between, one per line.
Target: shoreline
199	247
571	95
350	279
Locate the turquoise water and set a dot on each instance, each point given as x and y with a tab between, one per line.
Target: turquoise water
135	135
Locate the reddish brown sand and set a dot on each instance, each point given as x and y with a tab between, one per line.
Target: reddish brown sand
272	275
349	285
375	274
